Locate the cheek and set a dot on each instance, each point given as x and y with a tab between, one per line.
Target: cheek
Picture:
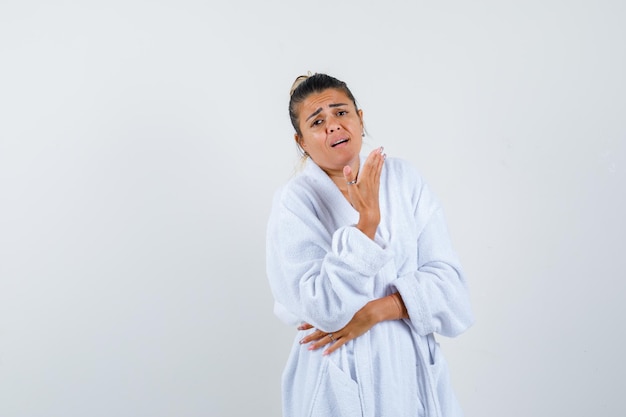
312	140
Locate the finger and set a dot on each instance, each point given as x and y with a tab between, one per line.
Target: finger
305	326
380	156
316	335
376	160
381	161
322	342
375	155
348	175
370	167
351	180
338	343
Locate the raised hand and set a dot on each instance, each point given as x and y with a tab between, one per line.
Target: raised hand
363	191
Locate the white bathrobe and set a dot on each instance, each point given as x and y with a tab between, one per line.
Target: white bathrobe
322	270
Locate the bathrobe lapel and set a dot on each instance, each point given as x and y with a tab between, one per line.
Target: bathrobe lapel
340	209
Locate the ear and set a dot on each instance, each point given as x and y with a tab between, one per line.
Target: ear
360	113
299	140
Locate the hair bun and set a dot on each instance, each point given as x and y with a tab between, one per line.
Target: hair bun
299	81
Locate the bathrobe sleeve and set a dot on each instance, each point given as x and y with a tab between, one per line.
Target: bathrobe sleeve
436	294
317	275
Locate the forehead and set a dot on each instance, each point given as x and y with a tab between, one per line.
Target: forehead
323	99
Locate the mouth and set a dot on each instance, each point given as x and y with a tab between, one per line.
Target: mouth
339	142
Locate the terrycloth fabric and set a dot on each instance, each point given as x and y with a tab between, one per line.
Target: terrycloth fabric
322	270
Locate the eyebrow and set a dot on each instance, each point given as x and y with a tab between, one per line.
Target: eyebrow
316	112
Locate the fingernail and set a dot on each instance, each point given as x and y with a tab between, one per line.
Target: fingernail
302	341
326	353
312	347
382	148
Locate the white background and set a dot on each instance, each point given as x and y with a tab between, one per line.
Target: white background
141	143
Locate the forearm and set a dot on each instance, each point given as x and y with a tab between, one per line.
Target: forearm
390	307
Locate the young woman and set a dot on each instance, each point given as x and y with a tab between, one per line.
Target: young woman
359	258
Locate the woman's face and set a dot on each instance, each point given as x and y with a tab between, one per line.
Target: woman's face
331	129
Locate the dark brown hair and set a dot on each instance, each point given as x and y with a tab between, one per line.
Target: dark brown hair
305	85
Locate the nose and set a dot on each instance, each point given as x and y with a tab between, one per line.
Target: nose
333	125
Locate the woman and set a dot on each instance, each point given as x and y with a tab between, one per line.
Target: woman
358	256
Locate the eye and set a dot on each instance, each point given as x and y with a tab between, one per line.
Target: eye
342	113
317	122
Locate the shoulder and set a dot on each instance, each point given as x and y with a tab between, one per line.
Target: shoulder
300	191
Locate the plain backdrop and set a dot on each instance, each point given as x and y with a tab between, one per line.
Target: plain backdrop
141	143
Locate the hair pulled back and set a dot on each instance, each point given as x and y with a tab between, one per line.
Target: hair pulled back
305	85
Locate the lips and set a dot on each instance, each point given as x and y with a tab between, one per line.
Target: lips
339	142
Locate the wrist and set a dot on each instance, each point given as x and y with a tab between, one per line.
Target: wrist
382	309
368	223
402	312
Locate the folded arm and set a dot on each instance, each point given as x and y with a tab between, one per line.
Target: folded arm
322	278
